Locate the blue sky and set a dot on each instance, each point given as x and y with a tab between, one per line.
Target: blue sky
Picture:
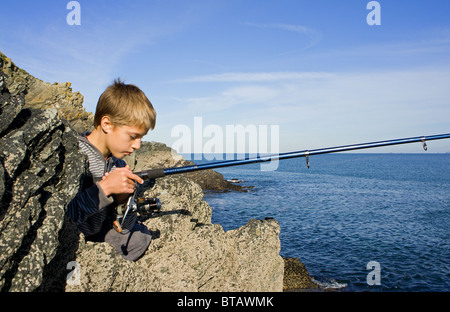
316	68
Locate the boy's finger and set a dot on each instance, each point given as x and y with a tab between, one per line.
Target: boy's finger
135	178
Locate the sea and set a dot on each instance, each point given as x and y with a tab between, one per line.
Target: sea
359	222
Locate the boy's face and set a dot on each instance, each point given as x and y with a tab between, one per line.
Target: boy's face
124	140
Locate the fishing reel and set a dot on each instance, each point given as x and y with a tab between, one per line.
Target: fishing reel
149	207
137	204
146	207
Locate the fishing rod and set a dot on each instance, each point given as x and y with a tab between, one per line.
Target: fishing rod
159	173
152	206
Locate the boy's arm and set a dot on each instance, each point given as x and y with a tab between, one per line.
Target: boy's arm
87	203
98	196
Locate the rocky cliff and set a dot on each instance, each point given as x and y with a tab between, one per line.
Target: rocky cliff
43	95
41	171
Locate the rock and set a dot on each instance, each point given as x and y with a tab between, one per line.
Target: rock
43	95
296	277
41	171
214	181
207	259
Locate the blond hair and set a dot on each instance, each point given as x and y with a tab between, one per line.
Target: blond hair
125	105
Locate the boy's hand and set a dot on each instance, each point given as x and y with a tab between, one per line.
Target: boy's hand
120	181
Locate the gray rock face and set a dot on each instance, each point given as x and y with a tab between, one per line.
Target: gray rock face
41	170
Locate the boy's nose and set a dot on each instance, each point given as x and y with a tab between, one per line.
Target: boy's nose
136	144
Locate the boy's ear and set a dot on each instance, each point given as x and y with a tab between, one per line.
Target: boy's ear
106	124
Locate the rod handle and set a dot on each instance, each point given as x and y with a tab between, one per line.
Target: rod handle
151	174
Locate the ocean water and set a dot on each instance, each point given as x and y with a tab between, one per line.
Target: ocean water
359	222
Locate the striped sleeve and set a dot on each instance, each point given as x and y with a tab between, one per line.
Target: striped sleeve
87	203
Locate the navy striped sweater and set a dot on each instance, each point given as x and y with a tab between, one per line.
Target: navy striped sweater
91	209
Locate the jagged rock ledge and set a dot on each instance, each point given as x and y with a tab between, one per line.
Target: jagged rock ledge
41	170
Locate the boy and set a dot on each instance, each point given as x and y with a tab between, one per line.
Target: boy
122	117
